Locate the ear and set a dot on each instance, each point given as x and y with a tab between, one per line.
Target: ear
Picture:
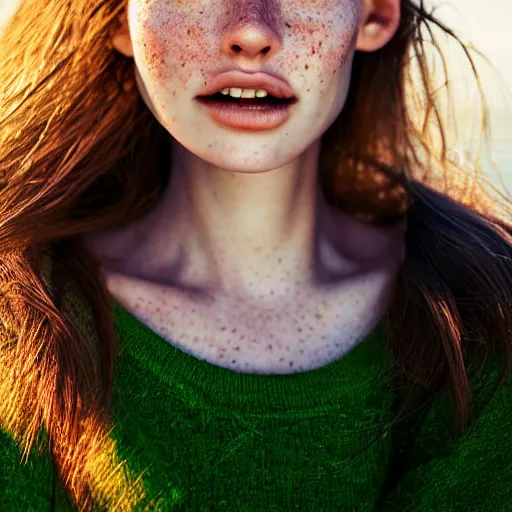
379	22
121	39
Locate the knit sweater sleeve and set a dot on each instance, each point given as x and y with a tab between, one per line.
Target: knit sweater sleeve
31	485
26	486
473	472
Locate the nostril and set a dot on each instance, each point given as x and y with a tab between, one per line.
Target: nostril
237	49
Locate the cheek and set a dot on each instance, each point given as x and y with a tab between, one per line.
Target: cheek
328	29
176	40
169	40
327	49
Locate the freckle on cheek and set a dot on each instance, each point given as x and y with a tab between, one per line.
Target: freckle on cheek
173	38
179	39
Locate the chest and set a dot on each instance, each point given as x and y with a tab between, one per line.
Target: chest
315	328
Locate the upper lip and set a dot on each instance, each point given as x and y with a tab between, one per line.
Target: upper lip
273	85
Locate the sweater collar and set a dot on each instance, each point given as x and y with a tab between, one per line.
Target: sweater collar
354	380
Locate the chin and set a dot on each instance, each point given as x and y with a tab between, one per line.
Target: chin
249	160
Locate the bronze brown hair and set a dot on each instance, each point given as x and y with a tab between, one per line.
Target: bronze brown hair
80	151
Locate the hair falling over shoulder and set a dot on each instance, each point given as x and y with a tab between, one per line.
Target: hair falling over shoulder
80	151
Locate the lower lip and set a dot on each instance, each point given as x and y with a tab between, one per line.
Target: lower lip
247	116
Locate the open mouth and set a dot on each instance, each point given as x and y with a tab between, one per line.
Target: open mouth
268	100
258	113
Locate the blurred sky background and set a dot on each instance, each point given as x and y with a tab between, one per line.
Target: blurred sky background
486	25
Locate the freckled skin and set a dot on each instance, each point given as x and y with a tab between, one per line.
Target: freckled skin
307	330
179	46
289	326
176	36
245	299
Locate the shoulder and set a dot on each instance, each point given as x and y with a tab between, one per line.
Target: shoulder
471	472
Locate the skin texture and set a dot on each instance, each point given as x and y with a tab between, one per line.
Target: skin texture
176	45
242	262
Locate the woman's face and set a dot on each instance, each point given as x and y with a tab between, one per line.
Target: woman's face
179	45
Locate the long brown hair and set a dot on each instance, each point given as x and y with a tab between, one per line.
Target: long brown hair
80	151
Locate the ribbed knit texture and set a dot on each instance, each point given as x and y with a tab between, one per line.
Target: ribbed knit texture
213	439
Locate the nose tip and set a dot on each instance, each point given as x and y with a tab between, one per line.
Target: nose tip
250	42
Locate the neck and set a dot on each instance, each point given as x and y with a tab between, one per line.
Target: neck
237	229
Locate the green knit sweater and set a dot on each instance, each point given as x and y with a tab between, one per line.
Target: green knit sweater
213	439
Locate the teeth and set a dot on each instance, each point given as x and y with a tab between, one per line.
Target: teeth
236	92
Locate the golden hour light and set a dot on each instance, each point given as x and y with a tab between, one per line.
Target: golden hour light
255	255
